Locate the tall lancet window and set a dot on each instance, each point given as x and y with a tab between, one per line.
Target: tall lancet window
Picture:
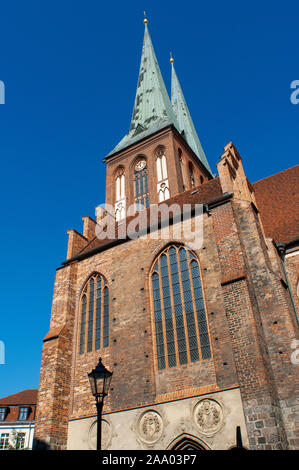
191	175
182	163
181	331
120	198
163	185
141	185
94	311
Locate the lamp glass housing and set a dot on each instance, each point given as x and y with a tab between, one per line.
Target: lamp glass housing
99	379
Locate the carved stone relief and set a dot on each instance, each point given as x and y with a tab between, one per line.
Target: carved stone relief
150	427
208	416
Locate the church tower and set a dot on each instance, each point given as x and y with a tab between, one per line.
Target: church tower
161	155
200	336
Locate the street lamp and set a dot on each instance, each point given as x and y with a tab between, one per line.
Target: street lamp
99	379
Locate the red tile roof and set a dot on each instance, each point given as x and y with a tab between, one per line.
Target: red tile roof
277	198
27	397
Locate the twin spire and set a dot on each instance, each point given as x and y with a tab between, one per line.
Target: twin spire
151	102
183	116
152	107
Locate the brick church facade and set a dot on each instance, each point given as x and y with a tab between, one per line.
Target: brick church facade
201	339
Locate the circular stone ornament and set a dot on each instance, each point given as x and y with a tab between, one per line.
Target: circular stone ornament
150	427
208	416
106	435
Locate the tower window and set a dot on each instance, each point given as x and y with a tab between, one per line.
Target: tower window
181	160
163	185
181	332
141	185
191	175
94	308
120	198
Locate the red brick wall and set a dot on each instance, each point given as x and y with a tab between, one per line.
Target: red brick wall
272	320
127	158
54	388
249	314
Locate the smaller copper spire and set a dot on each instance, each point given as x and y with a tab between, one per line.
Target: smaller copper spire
145	21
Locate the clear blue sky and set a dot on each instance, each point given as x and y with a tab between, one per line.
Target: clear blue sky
70	70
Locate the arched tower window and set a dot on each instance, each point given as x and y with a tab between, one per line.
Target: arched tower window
141	185
181	160
191	175
162	177
181	332
94	315
120	197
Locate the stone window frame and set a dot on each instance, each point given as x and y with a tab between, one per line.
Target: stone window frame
190	258
88	340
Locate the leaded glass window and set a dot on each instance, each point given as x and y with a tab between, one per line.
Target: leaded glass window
94	315
181	331
141	186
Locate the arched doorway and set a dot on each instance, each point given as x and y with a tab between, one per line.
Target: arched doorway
187	442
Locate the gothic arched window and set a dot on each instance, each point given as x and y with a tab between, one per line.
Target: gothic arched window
181	332
120	198
141	185
94	311
182	164
162	178
191	175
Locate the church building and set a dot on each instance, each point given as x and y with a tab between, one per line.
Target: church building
200	332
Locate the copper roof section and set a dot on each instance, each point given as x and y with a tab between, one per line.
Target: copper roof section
182	113
152	108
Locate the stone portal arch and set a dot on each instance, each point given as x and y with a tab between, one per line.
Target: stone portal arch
187	442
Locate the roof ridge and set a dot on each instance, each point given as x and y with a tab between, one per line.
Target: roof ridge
274	174
18	396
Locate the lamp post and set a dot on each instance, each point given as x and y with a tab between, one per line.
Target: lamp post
99	379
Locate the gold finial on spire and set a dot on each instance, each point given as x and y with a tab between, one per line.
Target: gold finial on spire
171	58
145	21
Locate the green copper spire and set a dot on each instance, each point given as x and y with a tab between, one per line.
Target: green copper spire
151	101
152	108
183	116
